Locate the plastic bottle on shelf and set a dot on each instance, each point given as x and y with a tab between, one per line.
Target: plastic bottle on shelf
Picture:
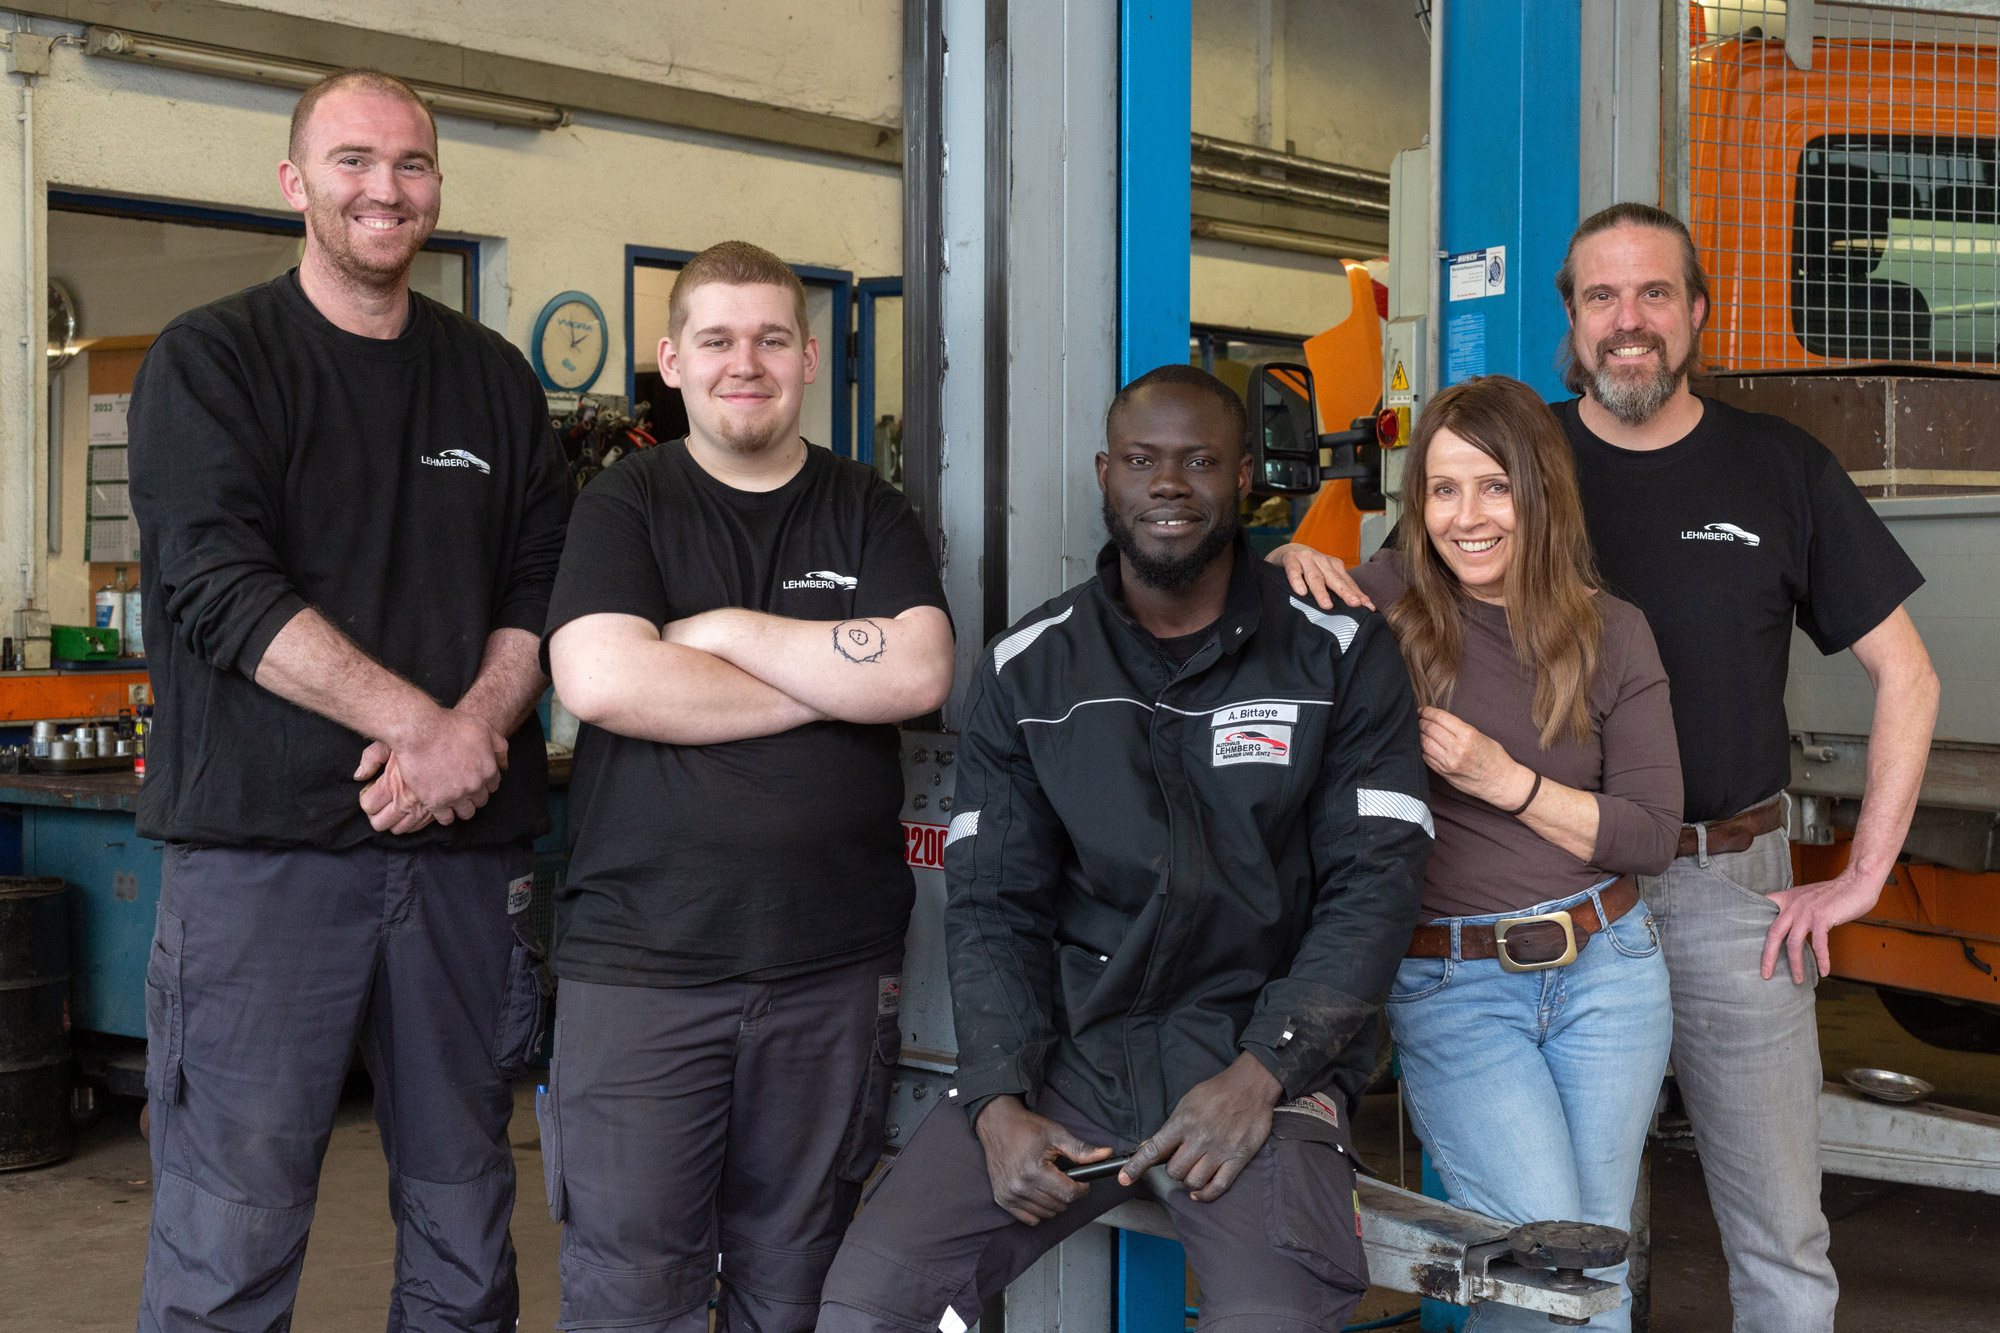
131	636
111	604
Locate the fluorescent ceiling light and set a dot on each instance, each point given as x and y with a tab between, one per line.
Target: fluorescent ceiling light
278	71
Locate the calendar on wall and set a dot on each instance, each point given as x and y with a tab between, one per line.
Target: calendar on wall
110	531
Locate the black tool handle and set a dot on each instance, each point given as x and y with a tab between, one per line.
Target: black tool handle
1097	1170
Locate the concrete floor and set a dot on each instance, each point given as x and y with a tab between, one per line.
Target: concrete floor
1911	1260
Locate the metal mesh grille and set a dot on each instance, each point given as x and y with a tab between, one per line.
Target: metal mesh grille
1847	213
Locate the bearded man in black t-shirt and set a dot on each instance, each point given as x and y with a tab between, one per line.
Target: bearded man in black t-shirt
1725	527
739	620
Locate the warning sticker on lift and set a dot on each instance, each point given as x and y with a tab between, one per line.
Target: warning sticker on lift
923	845
1399	382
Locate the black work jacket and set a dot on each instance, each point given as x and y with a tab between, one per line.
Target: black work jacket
1152	868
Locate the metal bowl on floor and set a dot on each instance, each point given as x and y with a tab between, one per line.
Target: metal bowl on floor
1887	1086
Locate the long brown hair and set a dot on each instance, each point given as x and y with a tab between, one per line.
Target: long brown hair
1551	615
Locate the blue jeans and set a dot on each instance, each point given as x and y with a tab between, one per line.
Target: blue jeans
1533	1090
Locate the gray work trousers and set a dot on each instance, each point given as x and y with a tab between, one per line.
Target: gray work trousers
717	1131
266	968
1746	1056
1280	1251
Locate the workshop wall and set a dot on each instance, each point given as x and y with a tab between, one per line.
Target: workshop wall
1350	79
1343	81
1275	291
838	57
554	210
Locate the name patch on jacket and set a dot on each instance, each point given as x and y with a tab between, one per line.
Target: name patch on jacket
1243	715
1257	743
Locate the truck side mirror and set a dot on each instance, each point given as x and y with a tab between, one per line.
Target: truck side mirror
1286	443
1284	430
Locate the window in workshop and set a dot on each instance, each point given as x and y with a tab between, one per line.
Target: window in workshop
131	270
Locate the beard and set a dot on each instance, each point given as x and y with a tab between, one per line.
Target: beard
747	439
1635	400
1168	573
327	228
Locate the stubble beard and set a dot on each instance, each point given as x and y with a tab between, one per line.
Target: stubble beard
748	440
1632	400
1168	573
328	229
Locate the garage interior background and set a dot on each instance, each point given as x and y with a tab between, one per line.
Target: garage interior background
755	118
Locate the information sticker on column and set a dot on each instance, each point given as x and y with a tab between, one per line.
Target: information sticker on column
1476	273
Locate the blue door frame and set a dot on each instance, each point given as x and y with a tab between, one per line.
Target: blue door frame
1155	117
1511	93
866	293
836	280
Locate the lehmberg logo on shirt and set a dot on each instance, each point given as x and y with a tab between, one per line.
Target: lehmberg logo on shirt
824	578
456	458
1721	532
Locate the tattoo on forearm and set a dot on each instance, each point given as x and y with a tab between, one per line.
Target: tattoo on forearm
859	640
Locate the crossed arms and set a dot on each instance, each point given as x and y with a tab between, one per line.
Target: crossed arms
731	674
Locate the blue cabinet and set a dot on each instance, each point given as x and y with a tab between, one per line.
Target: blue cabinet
114	878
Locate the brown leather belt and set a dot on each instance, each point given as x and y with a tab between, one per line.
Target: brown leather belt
1734	834
1532	941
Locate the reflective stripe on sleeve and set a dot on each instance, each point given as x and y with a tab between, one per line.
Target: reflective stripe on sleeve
1395	805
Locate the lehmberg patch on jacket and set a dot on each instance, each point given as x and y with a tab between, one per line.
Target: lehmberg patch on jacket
1258	733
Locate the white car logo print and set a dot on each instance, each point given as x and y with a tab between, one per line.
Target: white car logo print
457	458
844	580
1747	538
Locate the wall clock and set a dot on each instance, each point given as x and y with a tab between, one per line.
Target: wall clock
568	346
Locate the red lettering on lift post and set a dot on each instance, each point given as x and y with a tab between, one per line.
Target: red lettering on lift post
923	845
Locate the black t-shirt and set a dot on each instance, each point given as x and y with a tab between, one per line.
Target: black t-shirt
409	488
1723	538
1181	648
754	858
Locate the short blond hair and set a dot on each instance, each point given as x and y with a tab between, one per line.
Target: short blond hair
734	264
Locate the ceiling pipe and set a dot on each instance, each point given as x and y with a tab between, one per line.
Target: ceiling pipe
1290	162
1242	182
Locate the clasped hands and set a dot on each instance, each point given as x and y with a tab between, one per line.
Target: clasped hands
1213	1133
446	771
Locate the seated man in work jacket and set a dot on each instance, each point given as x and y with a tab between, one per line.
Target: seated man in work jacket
1184	862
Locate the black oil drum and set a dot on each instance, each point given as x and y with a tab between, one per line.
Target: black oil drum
34	1023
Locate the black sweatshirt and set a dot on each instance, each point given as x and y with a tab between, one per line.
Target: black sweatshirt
409	489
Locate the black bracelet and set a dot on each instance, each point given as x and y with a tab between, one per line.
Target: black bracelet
1533	792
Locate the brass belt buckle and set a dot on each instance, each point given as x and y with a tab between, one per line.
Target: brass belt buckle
1507	961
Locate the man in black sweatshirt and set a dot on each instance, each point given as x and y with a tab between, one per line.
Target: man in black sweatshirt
351	507
1183	862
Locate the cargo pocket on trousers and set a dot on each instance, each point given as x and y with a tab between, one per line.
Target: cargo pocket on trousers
1314	1217
524	1007
164	1009
862	1146
549	1125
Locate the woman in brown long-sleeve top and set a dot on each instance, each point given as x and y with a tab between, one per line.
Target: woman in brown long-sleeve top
1531	1013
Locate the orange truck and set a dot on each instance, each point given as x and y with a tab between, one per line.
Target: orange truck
1346	365
1850	213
